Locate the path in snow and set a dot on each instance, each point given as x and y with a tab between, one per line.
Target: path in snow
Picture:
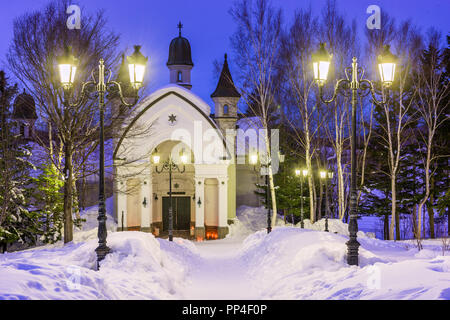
220	273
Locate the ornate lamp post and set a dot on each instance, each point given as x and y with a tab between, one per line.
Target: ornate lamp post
326	175
358	86
254	159
169	165
67	65
302	174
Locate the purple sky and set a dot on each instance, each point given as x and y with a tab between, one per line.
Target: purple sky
208	26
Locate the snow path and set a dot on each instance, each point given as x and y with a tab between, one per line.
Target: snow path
216	271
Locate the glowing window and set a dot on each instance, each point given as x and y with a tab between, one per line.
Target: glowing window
180	78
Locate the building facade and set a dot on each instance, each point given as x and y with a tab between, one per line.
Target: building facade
180	123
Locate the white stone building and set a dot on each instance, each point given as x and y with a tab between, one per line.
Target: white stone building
204	195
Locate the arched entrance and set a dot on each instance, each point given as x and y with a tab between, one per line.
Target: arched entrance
183	192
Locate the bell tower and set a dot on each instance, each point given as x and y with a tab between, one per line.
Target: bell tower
180	62
225	98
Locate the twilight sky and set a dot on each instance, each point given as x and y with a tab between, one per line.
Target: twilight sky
208	26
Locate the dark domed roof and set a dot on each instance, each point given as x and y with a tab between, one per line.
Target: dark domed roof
24	107
180	51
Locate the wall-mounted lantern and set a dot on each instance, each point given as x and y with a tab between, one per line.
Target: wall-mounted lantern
199	202
144	203
156	197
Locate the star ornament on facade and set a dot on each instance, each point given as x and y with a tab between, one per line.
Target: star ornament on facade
173	119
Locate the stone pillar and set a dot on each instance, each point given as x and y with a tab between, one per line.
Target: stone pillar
146	194
199	231
223	208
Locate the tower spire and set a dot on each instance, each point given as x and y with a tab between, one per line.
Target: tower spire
180	26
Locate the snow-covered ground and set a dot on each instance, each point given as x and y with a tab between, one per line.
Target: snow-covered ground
288	263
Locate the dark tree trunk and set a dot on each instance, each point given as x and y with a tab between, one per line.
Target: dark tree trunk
431	218
397	225
68	184
386	227
430	210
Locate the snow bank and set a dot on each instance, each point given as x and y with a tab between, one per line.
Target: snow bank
293	263
252	219
137	268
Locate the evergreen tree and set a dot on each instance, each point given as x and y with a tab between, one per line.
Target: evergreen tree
50	200
17	223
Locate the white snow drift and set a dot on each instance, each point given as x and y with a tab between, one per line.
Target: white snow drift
289	263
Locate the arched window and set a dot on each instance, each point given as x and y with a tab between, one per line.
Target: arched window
22	129
180	78
225	109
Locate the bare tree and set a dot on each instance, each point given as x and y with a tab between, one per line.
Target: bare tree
433	93
298	44
256	44
40	37
398	109
343	43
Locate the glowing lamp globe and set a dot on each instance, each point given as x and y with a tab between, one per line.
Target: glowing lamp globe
137	64
67	65
321	60
386	66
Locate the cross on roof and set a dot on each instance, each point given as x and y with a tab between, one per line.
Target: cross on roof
180	26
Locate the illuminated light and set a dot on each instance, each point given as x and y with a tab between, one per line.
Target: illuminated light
386	66
137	64
323	174
321	60
67	65
253	158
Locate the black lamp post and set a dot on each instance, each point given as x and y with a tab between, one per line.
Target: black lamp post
67	65
326	175
254	159
302	174
358	86
170	166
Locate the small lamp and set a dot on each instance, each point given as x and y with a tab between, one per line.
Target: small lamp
156	157
323	174
253	158
183	157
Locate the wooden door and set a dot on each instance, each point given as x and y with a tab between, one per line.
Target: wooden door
181	207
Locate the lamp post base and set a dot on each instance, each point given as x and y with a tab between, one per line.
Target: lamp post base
352	252
101	251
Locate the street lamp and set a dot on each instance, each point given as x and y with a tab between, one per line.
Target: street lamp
67	65
170	165
302	174
254	159
326	175
358	86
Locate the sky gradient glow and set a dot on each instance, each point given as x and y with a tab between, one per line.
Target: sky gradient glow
208	26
